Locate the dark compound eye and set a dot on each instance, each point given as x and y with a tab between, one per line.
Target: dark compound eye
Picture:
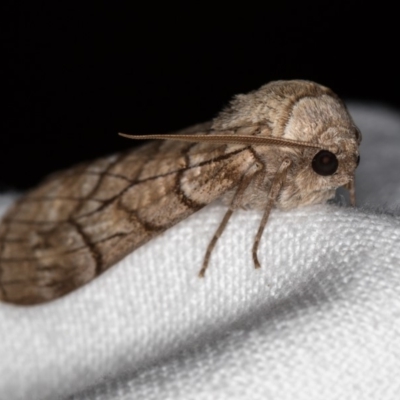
325	163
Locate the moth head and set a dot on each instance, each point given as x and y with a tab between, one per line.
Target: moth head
311	115
318	172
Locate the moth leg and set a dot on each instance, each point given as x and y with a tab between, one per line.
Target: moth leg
276	185
235	204
211	245
352	191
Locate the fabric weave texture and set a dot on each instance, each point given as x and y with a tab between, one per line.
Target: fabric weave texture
319	320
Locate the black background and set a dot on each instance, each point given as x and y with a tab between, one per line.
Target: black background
73	77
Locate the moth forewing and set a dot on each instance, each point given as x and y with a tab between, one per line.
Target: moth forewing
285	145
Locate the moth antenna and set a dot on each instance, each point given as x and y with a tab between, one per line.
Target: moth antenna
227	139
272	195
245	182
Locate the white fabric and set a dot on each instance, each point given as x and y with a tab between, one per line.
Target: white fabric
319	320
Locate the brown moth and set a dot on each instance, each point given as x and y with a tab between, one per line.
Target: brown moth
285	145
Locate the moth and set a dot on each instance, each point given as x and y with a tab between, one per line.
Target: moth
285	145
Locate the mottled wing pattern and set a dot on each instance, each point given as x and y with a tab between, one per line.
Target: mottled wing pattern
79	222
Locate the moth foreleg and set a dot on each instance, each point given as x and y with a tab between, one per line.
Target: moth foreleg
352	191
236	202
276	185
